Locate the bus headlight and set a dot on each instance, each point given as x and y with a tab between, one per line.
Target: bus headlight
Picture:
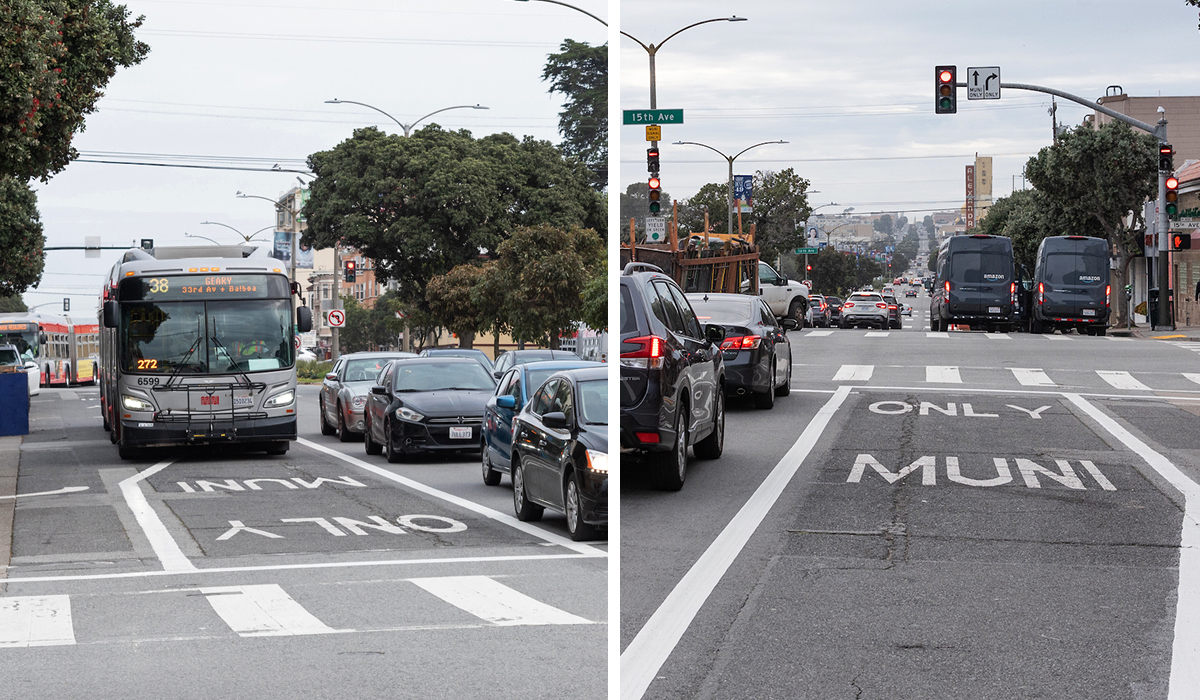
133	403
281	399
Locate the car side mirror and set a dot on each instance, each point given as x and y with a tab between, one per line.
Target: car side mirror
781	281
789	324
506	401
304	319
379	390
332	376
556	420
714	333
111	314
497	373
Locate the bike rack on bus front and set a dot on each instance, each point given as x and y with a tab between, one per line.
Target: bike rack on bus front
210	427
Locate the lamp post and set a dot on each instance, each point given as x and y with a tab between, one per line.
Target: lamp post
577	9
218	223
406	127
729	159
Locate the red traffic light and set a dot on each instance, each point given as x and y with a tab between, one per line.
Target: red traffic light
1172	183
946	76
349	264
655	184
809	268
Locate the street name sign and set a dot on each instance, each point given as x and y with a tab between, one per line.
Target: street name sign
653	132
807	251
1186	223
652	116
983	83
656	229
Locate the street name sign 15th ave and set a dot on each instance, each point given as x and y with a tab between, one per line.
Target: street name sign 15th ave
653	116
983	83
807	251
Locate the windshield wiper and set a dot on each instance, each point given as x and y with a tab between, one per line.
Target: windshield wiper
183	363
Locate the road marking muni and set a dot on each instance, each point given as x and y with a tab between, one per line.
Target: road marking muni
1185	652
496	603
36	621
1121	380
854	373
646	654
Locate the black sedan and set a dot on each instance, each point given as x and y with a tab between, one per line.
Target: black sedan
560	451
427	404
835	310
756	349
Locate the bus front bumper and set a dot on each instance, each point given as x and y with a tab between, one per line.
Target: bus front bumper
136	433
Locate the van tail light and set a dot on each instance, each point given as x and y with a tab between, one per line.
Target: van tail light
1041	293
1107	295
648	356
947	287
1012	293
741	342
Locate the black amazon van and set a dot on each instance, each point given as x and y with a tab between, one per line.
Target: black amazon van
1071	286
975	285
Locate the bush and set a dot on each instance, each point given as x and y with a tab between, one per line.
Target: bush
312	369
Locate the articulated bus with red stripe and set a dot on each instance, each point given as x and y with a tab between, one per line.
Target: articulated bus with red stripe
67	353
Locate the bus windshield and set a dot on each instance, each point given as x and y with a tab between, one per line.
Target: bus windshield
22	335
214	337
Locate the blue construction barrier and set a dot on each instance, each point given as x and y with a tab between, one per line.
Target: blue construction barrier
14	403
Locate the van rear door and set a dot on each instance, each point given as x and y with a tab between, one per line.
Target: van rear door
981	279
1074	282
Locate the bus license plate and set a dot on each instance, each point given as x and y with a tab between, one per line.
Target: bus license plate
460	433
993	309
241	401
1089	312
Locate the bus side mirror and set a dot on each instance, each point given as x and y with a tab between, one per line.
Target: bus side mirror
110	314
304	319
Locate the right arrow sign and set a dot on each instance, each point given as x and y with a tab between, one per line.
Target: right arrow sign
983	83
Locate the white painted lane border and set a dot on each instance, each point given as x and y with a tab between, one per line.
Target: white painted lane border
164	546
1185	653
486	512
65	489
646	654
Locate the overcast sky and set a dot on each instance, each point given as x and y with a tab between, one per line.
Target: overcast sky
244	84
850	86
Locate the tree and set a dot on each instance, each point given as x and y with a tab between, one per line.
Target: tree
12	304
595	300
580	72
451	301
712	198
544	270
883	224
21	238
780	204
1195	3
419	206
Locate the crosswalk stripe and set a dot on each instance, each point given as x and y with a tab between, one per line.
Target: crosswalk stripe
818	334
937	334
876	334
36	621
1051	336
1119	338
854	373
1192	377
493	601
999	336
942	375
264	610
1031	377
1121	380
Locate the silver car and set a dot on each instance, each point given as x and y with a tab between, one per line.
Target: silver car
345	389
865	309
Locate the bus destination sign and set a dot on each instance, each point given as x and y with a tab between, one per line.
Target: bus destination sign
181	287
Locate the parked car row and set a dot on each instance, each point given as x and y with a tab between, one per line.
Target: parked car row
544	422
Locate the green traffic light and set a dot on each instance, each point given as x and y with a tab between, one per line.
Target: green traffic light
1172	209
654	207
946	103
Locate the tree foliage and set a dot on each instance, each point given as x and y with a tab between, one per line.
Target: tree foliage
839	273
780	205
712	198
55	61
451	301
375	328
21	238
544	271
580	72
12	304
421	205
595	299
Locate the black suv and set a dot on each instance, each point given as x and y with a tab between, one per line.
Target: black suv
672	374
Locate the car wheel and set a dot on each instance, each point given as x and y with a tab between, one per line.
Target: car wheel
785	388
491	477
371	447
342	434
796	312
574	506
526	511
766	399
712	446
393	455
326	428
671	469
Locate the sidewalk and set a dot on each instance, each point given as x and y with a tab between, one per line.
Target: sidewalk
10	454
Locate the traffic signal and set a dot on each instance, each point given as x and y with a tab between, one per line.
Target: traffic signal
808	268
945	98
351	271
1181	241
655	194
1172	196
652	160
1165	161
66	304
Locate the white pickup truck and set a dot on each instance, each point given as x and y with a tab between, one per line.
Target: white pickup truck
787	298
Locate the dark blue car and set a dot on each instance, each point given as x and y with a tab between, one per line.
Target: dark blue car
512	392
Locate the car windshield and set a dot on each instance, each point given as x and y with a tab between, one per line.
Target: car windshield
731	311
593	395
207	337
439	376
8	356
364	370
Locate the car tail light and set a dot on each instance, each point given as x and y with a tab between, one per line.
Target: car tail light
881	305
741	342
648	356
647	437
848	305
1107	292
891	306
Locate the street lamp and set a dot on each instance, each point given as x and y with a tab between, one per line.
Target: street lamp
577	9
652	50
729	159
244	236
406	127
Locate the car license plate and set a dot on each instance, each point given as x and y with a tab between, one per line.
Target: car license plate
240	401
457	433
993	309
1089	312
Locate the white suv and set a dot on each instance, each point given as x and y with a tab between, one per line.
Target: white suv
865	309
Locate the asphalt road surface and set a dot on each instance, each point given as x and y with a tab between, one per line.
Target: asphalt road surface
323	573
930	515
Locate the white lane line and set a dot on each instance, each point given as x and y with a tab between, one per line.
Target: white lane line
1119	338
854	373
937	334
1185	653
998	336
876	334
486	512
819	334
646	654
1121	380
1031	377
264	610
36	621
942	375
1192	377
490	600
65	489
164	546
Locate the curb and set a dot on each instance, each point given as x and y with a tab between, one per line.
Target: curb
10	458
